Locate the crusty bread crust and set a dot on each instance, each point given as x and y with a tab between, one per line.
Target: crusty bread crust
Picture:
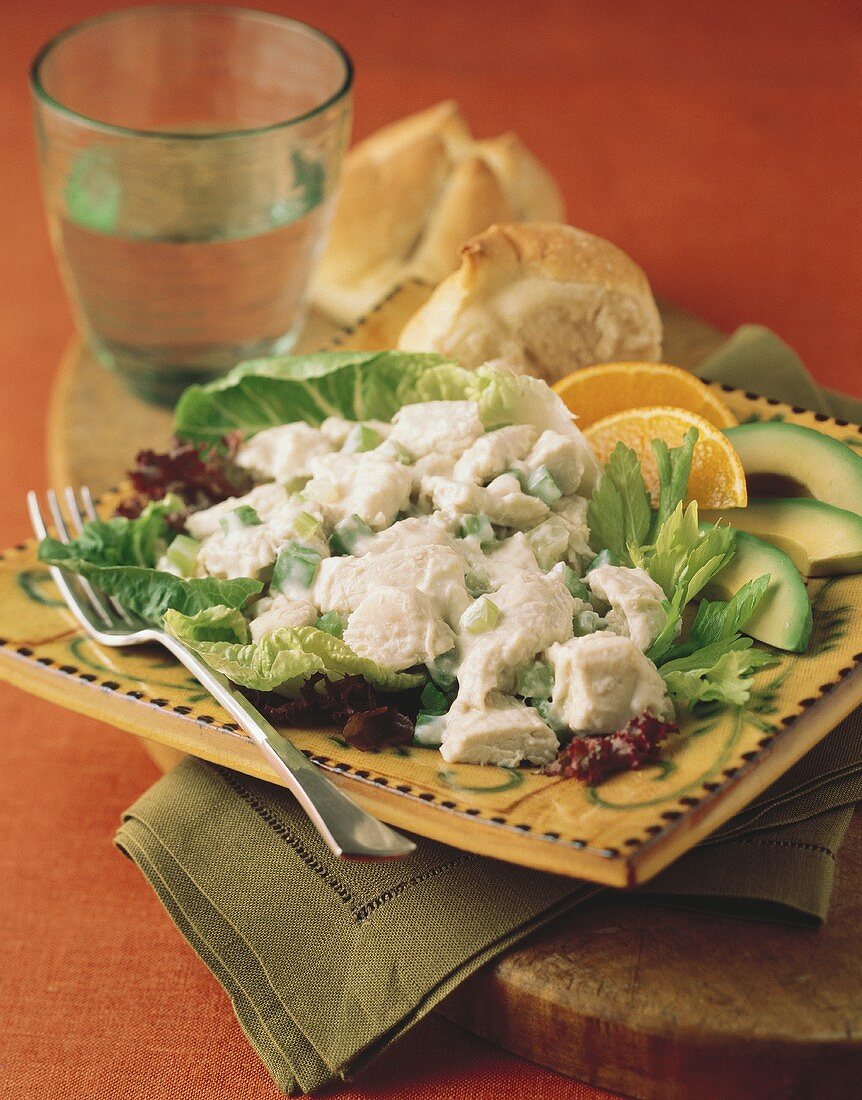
549	251
545	298
411	194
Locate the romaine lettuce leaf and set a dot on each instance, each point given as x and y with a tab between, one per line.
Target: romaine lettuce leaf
356	385
149	592
280	661
214	624
371	385
120	541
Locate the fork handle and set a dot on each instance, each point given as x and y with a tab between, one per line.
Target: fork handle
348	830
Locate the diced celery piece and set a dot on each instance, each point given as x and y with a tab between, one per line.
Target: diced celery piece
442	669
574	584
477	584
587	622
480	616
519	475
183	554
604	557
361	438
428	731
478	527
247	516
306	525
535	681
244	516
295	565
542	484
549	541
331	623
347	534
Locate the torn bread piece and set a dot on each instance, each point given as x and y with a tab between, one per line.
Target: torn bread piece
411	195
540	299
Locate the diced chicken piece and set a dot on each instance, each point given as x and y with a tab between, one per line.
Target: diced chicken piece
563	457
283	453
406	533
503	732
335	430
397	629
573	512
495	452
343	583
265	499
364	485
535	612
245	551
432	465
603	680
509	559
502	501
635	599
441	427
275	612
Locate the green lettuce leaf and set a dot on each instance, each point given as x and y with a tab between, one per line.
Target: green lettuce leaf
370	385
214	624
119	541
280	661
149	592
719	673
356	385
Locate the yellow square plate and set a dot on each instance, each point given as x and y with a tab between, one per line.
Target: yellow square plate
621	832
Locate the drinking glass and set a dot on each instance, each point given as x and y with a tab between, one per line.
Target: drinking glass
189	158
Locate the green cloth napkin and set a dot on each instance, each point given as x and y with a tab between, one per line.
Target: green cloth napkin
328	963
755	358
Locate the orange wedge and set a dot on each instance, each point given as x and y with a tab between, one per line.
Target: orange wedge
716	468
593	393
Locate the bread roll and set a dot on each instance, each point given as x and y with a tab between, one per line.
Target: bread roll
411	194
544	298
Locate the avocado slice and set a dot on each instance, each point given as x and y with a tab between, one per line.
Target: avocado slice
820	539
813	464
783	617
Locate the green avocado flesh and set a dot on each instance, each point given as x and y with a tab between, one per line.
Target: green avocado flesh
783	617
820	539
822	467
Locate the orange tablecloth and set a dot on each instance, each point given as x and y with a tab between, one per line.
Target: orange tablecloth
719	145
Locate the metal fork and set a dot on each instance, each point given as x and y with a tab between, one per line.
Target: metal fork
348	830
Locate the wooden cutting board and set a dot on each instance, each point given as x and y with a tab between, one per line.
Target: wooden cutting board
647	1001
